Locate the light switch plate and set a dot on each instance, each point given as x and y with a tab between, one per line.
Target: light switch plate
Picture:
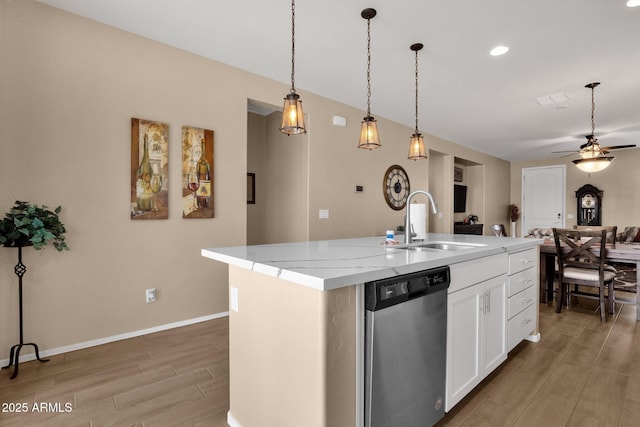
324	214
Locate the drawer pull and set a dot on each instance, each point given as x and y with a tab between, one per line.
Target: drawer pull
524	301
527	281
527	261
526	321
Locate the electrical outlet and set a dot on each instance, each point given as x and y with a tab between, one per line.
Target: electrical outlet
150	295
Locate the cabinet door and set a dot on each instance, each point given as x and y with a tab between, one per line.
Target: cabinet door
494	324
463	343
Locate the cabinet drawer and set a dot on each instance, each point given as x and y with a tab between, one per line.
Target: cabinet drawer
522	280
522	260
465	274
521	326
520	301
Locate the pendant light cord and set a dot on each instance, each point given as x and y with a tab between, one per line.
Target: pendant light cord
293	45
368	67
416	92
593	109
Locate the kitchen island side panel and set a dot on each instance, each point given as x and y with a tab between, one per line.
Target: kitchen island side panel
291	353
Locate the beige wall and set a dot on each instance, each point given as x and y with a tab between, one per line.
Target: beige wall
620	183
70	87
281	166
287	179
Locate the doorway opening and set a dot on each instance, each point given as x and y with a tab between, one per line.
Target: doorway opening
279	164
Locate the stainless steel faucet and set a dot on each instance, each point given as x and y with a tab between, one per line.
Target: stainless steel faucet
407	220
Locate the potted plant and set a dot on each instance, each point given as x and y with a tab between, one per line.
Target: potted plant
32	225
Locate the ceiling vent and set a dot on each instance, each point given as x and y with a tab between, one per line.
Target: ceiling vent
556	99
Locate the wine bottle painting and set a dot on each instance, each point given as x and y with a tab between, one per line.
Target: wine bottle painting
197	173
149	169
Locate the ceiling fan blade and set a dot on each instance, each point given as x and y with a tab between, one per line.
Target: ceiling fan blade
617	147
566	151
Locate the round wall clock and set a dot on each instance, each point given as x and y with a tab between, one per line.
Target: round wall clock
396	187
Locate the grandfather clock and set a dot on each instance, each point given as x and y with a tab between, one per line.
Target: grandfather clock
589	205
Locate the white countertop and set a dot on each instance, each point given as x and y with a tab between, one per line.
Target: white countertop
331	264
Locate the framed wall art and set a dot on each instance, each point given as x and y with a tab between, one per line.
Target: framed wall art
458	174
149	169
197	173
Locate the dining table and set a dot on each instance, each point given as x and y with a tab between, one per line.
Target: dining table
626	253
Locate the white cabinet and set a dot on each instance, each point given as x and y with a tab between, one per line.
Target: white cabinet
476	324
522	294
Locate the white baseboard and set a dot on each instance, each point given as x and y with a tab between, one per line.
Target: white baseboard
86	344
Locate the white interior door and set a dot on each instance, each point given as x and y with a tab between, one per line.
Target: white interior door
543	197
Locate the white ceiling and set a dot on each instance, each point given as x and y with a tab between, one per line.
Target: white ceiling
466	96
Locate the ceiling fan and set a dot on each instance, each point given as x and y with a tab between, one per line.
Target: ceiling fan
593	157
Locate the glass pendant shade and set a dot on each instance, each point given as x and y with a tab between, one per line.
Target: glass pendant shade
369	138
416	142
595	164
416	147
292	115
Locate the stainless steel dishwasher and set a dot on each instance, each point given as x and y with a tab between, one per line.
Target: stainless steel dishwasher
405	349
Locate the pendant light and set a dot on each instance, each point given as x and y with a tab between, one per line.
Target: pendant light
369	138
593	158
416	142
292	114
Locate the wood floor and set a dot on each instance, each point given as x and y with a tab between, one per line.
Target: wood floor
582	373
178	377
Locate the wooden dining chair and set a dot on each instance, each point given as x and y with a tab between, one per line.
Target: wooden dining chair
612	231
578	265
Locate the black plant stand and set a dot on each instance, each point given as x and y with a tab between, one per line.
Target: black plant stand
15	350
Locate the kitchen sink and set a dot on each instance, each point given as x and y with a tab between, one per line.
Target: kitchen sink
443	246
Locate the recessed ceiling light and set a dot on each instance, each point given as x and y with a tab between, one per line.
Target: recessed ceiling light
501	50
633	3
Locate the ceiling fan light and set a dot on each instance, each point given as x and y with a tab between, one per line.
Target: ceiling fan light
592	151
633	3
593	165
589	154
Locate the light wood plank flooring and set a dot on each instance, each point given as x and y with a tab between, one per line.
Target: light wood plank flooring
582	373
178	377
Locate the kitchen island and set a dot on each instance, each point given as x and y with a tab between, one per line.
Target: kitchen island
297	315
